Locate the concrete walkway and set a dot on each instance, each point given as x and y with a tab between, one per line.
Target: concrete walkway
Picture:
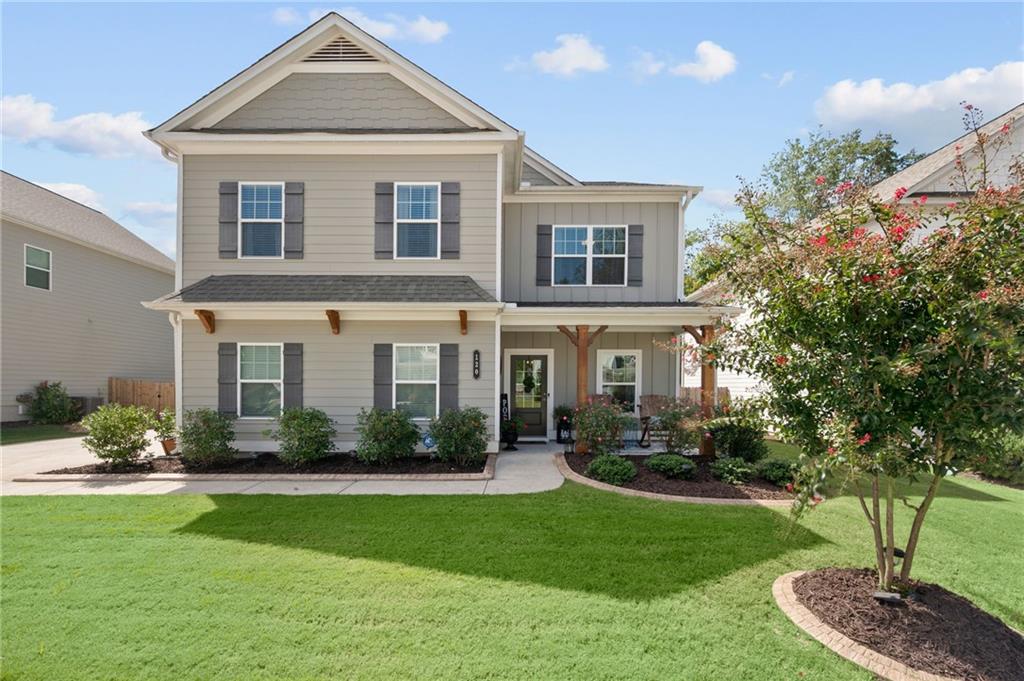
532	469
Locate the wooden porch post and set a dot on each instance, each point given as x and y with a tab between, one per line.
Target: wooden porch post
707	390
582	363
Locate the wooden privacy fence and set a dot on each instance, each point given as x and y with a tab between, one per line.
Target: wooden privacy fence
156	395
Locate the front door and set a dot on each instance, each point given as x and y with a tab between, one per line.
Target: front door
529	393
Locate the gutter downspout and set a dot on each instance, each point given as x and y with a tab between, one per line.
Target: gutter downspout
175	319
681	287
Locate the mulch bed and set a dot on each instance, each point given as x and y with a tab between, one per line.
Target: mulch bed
270	464
703	483
933	630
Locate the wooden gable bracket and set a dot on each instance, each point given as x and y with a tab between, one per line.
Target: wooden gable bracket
463	322
208	319
574	336
334	318
697	334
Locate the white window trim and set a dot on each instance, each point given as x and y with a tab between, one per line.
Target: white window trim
394	213
395	380
604	354
589	256
280	222
240	381
27	266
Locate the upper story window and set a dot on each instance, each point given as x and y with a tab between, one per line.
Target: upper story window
260	379
38	267
415	384
261	219
417	220
589	255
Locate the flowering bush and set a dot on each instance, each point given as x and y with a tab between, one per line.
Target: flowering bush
117	433
679	424
599	425
888	335
461	435
304	435
611	469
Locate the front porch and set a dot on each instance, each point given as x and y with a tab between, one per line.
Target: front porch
555	356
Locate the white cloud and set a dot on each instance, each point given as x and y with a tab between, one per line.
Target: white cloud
646	65
925	113
723	199
389	27
142	210
76	192
780	81
100	134
714	62
574	54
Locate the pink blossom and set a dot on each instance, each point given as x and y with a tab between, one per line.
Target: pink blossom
968	107
864	439
1005	129
923	199
820	241
781	360
859	232
900	193
789	487
819	180
844	187
983	295
951	204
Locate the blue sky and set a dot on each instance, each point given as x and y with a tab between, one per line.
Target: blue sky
690	93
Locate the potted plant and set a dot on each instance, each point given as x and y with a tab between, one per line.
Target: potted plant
166	430
563	423
510	432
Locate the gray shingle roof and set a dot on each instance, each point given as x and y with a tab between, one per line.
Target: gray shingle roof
22	201
671	303
337	288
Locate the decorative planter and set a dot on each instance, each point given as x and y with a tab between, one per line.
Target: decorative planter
563	431
169	445
511	437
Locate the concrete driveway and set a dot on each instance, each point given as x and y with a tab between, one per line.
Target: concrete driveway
531	469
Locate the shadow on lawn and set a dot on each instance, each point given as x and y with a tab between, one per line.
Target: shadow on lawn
572	538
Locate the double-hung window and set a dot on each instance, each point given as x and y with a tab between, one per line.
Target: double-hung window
260	379
417	220
261	219
415	384
618	375
589	255
38	267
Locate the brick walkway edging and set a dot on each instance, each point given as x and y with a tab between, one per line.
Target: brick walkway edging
486	474
569	474
879	664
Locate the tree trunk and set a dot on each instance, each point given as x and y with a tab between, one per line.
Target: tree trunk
876	525
876	532
890	538
915	528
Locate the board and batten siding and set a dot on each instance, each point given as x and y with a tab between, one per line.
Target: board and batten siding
657	371
339	213
660	268
337	370
91	325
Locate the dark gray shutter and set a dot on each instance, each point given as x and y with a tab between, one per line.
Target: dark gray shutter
543	255
450	215
228	219
384	221
292	375
294	209
227	378
449	377
382	368
635	266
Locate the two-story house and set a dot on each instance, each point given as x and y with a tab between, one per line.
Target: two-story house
355	233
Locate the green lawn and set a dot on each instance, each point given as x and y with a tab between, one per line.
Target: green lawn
570	584
13	435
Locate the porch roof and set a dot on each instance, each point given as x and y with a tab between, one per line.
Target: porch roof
666	316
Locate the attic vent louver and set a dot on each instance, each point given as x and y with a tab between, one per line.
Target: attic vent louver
341	50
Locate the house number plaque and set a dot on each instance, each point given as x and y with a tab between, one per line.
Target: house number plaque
476	364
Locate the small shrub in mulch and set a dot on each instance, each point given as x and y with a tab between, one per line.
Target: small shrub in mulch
671	465
777	471
933	630
612	469
732	470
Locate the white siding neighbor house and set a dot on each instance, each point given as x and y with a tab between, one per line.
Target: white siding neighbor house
72	279
355	233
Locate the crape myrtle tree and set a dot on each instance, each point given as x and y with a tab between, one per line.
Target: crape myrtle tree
888	336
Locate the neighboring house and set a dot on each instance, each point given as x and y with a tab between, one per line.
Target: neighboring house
69	310
935	176
355	233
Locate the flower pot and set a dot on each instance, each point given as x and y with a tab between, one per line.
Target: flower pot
511	437
169	445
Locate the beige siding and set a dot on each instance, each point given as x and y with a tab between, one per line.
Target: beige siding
337	370
660	221
534	177
657	371
340	101
339	213
91	325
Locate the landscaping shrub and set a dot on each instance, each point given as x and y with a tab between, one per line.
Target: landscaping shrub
165	426
611	469
206	437
732	470
671	466
385	435
599	425
304	435
52	404
777	471
117	433
738	436
461	436
678	424
1006	462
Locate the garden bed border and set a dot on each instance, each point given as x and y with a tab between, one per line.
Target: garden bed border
886	667
569	474
486	474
